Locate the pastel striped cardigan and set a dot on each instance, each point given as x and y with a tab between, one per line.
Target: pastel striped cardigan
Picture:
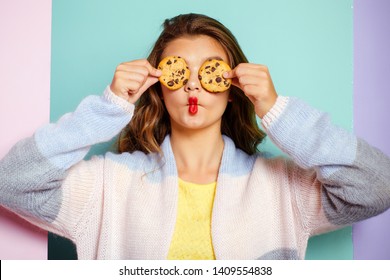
124	206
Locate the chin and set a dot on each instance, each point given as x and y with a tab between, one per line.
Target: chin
197	121
194	124
189	123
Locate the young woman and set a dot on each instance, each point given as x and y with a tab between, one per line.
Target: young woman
188	185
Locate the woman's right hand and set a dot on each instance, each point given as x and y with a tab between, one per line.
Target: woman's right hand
132	79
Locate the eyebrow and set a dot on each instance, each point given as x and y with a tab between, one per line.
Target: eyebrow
214	57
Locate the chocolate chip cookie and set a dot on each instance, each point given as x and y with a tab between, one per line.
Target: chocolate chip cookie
210	75
175	72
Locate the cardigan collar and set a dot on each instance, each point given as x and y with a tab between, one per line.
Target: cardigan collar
227	163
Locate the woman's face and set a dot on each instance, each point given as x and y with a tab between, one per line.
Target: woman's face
180	103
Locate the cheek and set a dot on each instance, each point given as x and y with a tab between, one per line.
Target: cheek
221	101
172	100
221	107
164	91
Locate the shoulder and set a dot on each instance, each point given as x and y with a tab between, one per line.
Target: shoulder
266	162
236	162
132	161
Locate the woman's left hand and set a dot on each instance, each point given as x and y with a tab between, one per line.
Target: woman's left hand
255	81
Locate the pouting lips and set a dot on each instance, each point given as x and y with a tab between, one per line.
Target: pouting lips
193	105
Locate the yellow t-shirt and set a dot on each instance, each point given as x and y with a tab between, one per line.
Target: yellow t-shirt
192	237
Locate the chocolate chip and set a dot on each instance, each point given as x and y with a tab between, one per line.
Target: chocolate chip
169	62
183	71
217	64
218	79
213	69
199	77
208	72
210	81
185	81
207	67
175	61
176	81
170	83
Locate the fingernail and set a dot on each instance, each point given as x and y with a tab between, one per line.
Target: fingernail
225	74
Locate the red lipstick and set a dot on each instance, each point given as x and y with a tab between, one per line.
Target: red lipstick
193	105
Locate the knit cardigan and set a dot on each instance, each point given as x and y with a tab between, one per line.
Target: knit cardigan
124	206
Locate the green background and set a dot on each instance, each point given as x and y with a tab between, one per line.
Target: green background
306	44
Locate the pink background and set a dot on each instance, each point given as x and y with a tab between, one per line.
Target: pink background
25	32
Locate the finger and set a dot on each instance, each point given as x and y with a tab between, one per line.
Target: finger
241	69
132	68
254	66
135	86
249	80
149	82
250	90
229	74
246	82
251	77
138	76
245	68
151	70
131	86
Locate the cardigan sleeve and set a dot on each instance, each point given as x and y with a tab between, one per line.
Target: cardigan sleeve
34	170
337	178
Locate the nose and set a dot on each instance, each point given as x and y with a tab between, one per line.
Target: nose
193	84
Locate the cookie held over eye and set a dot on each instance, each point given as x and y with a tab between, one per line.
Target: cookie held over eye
175	72
210	75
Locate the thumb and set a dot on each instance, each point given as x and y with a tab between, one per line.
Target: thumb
233	76
148	83
153	71
229	74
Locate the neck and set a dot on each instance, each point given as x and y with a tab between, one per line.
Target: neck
197	153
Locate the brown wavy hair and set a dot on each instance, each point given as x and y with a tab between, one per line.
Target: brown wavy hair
151	123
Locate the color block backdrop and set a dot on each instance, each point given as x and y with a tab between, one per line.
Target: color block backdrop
25	28
371	109
308	46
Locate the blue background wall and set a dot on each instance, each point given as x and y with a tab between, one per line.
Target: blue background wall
307	46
